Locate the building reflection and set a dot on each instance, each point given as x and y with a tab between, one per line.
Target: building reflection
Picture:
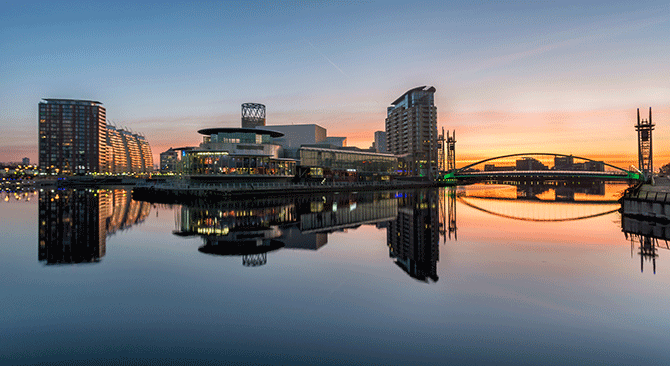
241	228
563	191
412	237
251	229
647	237
74	224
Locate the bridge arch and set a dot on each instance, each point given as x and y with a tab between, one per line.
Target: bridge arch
566	212
537	154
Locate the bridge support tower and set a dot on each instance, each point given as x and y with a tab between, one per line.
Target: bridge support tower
644	145
451	152
440	152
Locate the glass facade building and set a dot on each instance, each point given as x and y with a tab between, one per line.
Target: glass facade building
234	152
347	165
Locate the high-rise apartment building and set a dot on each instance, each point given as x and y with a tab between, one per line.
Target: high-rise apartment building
411	131
72	136
127	152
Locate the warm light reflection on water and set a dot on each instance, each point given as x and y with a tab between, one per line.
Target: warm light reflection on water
473	275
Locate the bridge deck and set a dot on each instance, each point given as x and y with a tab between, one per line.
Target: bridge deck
543	174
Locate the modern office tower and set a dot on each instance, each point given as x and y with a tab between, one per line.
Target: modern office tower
380	142
127	152
72	136
169	160
25	161
411	130
253	115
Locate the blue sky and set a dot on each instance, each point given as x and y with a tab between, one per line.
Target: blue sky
505	73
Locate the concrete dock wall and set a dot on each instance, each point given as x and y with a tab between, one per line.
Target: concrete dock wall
647	201
179	193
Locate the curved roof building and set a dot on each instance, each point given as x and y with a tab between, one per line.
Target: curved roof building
235	152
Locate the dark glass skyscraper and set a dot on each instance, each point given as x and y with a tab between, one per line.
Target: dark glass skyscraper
72	136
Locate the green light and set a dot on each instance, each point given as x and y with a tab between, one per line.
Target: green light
633	175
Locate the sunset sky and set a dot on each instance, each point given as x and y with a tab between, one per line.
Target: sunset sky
556	77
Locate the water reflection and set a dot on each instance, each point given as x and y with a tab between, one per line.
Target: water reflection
251	229
645	235
556	191
17	192
74	224
543	202
560	191
412	237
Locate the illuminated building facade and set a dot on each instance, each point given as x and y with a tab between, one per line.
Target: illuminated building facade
233	153
411	131
72	136
127	152
347	165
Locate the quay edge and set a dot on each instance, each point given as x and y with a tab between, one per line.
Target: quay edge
171	193
650	201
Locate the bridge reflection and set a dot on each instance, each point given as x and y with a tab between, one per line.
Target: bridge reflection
542	202
74	224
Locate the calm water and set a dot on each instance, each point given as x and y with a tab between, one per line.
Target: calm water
479	275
